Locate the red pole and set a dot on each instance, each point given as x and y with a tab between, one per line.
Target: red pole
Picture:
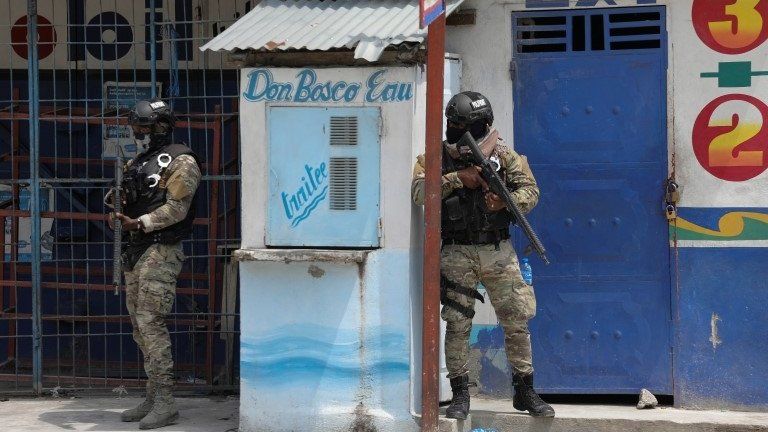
430	386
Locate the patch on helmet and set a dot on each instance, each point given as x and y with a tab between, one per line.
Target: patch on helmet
479	103
157	104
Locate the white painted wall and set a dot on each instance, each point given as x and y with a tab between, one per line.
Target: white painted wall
378	299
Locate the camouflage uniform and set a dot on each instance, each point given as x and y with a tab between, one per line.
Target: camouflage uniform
151	285
498	271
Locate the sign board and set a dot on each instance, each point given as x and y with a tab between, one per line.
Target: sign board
25	225
122	97
98	34
429	10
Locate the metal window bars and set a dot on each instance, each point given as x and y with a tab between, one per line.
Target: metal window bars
67	79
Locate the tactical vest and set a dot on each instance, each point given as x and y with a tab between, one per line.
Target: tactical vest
465	217
144	189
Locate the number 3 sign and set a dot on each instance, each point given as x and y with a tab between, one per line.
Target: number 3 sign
731	26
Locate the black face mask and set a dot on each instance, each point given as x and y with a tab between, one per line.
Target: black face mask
453	135
478	130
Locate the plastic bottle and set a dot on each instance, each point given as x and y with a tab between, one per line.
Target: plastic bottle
527	271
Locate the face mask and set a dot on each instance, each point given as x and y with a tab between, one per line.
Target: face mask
142	140
453	135
478	129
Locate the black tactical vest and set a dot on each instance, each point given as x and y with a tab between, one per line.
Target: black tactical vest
145	192
465	217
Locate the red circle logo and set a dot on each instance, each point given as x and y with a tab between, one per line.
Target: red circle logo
730	137
731	26
46	37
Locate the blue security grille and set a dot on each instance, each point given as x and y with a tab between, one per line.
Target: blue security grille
69	72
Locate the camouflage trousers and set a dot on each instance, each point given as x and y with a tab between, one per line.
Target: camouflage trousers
149	293
512	299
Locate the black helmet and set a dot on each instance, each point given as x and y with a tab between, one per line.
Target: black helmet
156	114
151	112
468	107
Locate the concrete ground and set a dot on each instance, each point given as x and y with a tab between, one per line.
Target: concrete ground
498	415
103	414
221	415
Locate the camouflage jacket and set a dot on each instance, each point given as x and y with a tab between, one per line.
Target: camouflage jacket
180	180
520	181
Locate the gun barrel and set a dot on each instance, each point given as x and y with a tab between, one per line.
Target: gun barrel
117	201
497	186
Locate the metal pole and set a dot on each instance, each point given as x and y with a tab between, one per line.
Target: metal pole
430	386
152	48
34	202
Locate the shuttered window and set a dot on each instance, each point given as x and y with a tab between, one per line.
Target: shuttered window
343	183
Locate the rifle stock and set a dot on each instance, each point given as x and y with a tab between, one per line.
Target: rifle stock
496	184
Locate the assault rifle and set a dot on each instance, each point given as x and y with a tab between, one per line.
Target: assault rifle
117	202
496	184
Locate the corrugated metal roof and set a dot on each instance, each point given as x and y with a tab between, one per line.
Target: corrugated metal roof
371	25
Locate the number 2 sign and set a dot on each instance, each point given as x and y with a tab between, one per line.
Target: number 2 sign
730	137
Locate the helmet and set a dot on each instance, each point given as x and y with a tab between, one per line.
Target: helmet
151	112
468	107
156	114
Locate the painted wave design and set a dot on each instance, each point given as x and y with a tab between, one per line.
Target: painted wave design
295	369
289	359
383	346
731	226
325	334
312	206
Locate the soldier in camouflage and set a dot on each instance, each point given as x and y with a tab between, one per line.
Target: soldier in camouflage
476	249
158	188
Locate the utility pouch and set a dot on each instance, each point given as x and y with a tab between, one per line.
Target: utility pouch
453	207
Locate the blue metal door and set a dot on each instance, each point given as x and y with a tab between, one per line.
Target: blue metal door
590	114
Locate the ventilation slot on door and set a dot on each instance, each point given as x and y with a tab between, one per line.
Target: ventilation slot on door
629	31
344	131
583	31
541	34
343	183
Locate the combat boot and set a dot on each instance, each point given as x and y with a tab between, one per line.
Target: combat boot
138	413
459	407
164	411
526	398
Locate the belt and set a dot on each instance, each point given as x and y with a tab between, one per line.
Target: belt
476	238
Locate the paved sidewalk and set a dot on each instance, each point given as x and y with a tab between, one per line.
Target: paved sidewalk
499	415
221	415
103	414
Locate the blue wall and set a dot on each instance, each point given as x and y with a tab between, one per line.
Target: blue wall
733	284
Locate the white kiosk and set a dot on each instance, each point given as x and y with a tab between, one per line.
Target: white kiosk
331	249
